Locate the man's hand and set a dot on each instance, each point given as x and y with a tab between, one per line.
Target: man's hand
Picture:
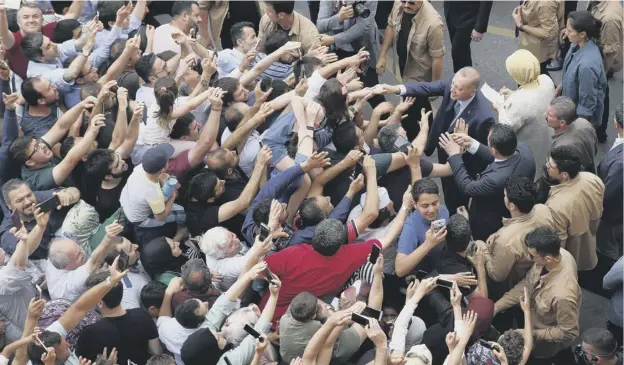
42	218
257	271
175	286
326	40
97	123
375	333
289	46
275	214
317	51
248	58
340	318
412	159
384	108
352	158
355	85
447	143
357	184
476	36
405	105
137	113
264	156
149	32
378	267
345	77
462	211
470	320
49	357
328	58
368	166
435	238
261	345
381	66
456	295
517	17
463	279
216	98
424	118
408	199
357	59
274	286
302	87
451	341
178	36
133	44
525	303
122	14
113	230
186	64
35	307
10	101
122	97
261	248
265	111
317	160
260	95
499	352
383	89
112	358
345	12
479	258
65	198
424	287
115	274
21	234
209	67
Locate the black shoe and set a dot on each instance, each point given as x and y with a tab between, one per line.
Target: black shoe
555	65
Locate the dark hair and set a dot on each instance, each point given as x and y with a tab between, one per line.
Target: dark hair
387	136
584	21
233	117
152	294
108	11
196	276
568	159
513	343
503	139
182	126
424	186
161	359
544	240
308	64
384	215
90	89
310	213
275	40
202	186
64	30
34	349
329	236
458	233
236	31
180	7
144	68
166	91
19	149
617	114
29	93
229	85
218	156
31	46
282	6
334	102
602	340
303	306
67	145
565	109
279	88
261	211
521	192
59	7
185	314
9	186
345	137
117	48
112	299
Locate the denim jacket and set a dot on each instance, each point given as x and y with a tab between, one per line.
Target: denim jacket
585	81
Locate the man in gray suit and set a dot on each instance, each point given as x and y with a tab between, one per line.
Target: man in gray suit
505	157
346	29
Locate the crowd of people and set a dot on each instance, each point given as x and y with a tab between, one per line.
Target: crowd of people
166	201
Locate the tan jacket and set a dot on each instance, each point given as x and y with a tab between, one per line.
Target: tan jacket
425	40
576	207
507	257
610	13
555	305
543	15
302	30
216	12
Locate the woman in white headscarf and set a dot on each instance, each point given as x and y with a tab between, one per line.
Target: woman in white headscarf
524	108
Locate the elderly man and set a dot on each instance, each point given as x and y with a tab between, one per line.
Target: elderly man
198	284
68	267
461	101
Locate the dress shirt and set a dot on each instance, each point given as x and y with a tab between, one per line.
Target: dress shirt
53	72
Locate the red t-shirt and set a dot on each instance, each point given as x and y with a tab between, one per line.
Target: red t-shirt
180	165
17	61
301	269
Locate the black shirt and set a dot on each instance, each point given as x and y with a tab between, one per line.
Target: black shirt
234	187
201	217
129	334
402	46
396	182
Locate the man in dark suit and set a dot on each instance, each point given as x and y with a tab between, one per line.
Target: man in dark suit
466	21
461	101
505	157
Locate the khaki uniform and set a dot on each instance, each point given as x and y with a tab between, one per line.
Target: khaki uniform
555	305
610	13
216	11
576	207
507	257
543	15
425	41
302	30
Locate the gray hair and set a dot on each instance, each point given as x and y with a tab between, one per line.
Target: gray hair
565	109
233	331
161	359
10	186
329	236
31	46
214	242
57	256
617	114
31	5
471	73
387	136
196	276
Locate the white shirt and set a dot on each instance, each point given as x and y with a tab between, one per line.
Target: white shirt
133	282
247	155
53	72
315	82
68	284
164	41
146	95
229	268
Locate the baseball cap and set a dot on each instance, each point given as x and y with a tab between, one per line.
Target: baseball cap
384	198
155	159
131	81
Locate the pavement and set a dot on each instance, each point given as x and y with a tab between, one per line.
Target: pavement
489	57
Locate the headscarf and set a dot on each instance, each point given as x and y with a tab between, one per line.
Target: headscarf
524	68
201	348
54	309
81	223
157	258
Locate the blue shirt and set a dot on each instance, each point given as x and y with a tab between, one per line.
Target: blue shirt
413	235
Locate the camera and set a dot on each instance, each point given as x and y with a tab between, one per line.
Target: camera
360	9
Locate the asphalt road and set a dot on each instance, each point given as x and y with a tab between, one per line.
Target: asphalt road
489	57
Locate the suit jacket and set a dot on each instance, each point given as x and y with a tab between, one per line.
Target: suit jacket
468	14
478	114
610	172
487	208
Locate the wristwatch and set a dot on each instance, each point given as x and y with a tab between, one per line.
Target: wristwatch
204	83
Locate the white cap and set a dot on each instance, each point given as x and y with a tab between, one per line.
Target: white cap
384	198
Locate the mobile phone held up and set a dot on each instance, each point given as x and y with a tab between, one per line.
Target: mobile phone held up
265	231
438	225
49	204
374	255
253	332
445	283
361	320
268	275
17	221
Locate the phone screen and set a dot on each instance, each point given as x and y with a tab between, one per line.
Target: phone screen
445	283
374	255
264	231
252	332
370	312
17	222
269	275
49	204
359	319
39	291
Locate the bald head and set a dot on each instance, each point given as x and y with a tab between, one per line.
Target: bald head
222	162
234	114
66	254
465	83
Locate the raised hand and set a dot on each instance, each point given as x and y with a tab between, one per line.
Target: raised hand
317	160
43	218
328	58
456	295
352	158
137	113
405	105
424	287
451	341
264	156
209	66
35	307
114	229
383	89
368	166
408	199
175	286
345	77
260	95
447	143
149	31
274	285
257	271
384	108
357	184
115	274
10	101
263	247
375	333
470	320
435	237
412	158
525	303
216	98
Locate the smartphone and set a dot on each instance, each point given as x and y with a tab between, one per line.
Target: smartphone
122	264
227	361
266	84
370	312
269	275
49	204
402	144
39	291
438	225
485	344
445	283
17	222
471	249
265	231
374	255
253	332
359	319
421	274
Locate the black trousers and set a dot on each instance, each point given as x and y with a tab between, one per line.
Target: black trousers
616	331
564	357
543	70
460	46
369	78
314	7
453	198
411	124
601	131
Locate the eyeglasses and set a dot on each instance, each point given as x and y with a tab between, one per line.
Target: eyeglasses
39	145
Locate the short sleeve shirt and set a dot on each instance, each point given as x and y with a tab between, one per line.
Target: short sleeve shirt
57	327
36	126
140	197
68	284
